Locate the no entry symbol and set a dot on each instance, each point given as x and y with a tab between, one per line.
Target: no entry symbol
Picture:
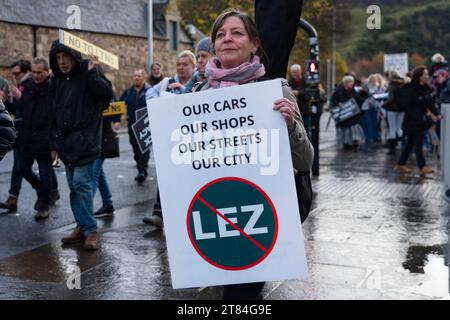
232	223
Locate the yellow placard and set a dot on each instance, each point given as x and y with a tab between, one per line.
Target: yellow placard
115	108
85	47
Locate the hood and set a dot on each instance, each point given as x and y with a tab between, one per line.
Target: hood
59	47
397	81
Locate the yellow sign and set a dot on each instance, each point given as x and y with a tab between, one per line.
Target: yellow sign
115	108
85	47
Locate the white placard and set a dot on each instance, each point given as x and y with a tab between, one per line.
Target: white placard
227	187
398	62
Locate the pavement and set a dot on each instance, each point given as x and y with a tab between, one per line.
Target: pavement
372	234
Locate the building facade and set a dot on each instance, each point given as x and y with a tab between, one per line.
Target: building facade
27	29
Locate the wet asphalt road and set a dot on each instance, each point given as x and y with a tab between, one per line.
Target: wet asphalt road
372	234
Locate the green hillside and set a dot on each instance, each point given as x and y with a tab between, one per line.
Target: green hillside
416	27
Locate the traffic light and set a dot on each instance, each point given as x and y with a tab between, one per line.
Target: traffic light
312	72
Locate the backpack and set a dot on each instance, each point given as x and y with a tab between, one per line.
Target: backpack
302	180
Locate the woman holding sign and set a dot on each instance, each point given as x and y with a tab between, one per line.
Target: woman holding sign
239	52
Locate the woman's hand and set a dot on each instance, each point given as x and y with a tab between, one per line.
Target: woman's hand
287	109
176	86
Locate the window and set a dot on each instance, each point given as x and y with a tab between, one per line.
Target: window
173	29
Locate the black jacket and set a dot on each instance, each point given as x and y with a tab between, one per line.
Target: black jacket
301	97
7	132
34	134
415	100
77	100
392	103
444	94
110	145
340	95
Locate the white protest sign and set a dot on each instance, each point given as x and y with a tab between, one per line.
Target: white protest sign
397	61
227	187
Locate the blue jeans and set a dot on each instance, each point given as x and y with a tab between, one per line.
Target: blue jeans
101	182
81	199
45	175
370	125
17	175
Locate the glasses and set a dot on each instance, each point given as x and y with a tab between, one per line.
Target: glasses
16	74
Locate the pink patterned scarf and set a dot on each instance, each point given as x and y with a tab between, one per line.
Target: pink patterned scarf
246	72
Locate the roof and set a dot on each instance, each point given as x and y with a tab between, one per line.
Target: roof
120	17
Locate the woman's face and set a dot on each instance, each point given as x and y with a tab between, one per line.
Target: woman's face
424	78
156	71
203	58
185	68
233	45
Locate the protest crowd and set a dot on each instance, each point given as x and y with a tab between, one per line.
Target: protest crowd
55	105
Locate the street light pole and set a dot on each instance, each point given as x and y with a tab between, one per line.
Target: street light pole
150	35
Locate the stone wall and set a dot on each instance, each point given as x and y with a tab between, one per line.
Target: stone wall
16	42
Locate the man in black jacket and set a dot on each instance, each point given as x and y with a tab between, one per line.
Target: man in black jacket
34	139
79	92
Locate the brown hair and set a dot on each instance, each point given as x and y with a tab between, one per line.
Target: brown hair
249	25
416	74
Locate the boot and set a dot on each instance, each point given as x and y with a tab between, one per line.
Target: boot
92	242
140	178
10	204
426	170
54	196
75	237
42	213
403	169
391	145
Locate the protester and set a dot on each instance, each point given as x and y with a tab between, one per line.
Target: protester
370	109
7	132
417	103
181	83
204	52
439	63
21	72
34	138
79	94
350	133
238	49
395	113
156	74
134	98
299	90
444	87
